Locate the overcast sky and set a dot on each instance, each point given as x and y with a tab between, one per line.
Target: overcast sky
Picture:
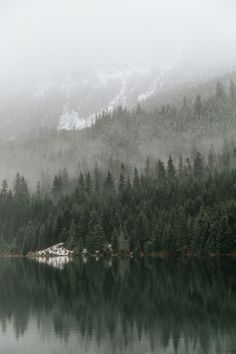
40	37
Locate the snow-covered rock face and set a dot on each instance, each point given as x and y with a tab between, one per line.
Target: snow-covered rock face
55	251
56	256
70	120
75	100
110	87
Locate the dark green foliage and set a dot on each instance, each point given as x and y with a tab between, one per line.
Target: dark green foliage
148	247
57	185
72	239
95	239
171	172
114	241
109	184
185	210
123	242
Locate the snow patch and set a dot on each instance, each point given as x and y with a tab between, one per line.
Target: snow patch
70	120
158	82
121	98
56	256
56	250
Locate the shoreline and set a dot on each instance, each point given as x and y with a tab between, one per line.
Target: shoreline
125	255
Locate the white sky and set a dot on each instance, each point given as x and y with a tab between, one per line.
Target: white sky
40	37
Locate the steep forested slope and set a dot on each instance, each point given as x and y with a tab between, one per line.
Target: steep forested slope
127	136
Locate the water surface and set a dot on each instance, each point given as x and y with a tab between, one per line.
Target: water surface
121	306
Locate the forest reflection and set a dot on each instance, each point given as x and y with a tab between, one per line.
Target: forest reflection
173	305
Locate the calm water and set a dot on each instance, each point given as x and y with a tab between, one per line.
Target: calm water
126	306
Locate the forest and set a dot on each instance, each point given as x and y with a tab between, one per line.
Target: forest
187	207
203	118
117	177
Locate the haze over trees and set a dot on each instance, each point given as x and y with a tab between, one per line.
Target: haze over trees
202	120
108	185
189	208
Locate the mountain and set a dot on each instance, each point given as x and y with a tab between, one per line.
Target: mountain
198	117
74	100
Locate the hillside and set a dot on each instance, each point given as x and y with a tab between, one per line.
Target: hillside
203	116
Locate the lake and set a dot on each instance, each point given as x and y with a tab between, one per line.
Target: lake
147	305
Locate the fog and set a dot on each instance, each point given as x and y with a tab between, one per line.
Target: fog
43	38
51	53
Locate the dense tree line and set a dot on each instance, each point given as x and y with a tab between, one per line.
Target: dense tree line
188	207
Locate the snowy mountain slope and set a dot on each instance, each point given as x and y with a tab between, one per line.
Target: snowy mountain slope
115	79
131	85
75	100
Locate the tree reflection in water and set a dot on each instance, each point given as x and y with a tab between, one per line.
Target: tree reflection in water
140	306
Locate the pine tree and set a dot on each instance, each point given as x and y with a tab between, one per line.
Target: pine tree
171	171
88	183
232	94
123	242
224	239
109	184
181	230
220	94
141	230
225	156
197	107
57	185
198	168
64	177
161	172
97	179
181	167
4	189
136	182
72	239
188	168
114	241
16	184
81	181
42	241
95	239
23	187
121	183
211	159
147	167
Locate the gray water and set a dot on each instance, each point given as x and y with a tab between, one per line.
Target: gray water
118	306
